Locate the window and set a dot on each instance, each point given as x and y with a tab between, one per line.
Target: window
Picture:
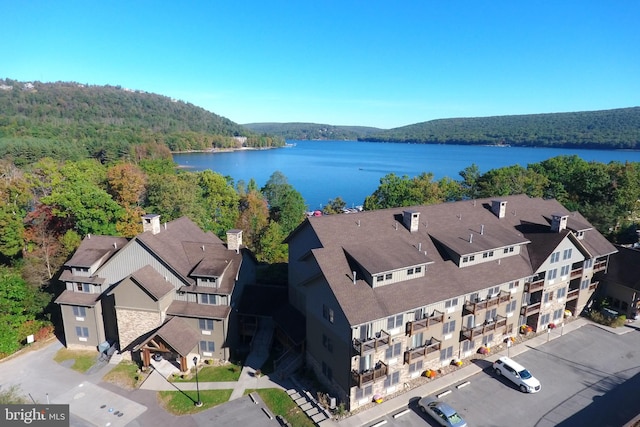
567	253
475	297
417	340
555	257
388	276
468	345
446	353
584	284
552	274
327	371
511	306
564	270
513	285
207	346
472	257
327	313
82	332
392	379
416	366
544	319
557	314
208	299
465	259
379	278
562	292
588	263
395	321
418	270
206	324
410	272
83	287
451	303
393	351
79	311
548	296
493	291
490	315
361	393
449	327
487	339
327	343
508	250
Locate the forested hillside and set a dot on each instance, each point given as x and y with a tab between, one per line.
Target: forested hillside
72	121
607	129
310	131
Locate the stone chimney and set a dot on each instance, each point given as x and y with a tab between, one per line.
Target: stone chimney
151	222
558	222
499	208
234	240
411	220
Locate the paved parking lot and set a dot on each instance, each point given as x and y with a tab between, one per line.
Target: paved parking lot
590	377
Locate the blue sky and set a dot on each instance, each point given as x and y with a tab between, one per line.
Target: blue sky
370	63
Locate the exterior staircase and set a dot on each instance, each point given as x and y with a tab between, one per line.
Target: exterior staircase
307	403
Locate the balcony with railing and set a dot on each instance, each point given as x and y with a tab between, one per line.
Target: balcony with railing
500	325
600	266
528	310
593	286
381	340
433	346
575	273
425	323
535	285
369	375
573	294
472	307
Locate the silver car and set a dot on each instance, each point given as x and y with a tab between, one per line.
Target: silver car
444	414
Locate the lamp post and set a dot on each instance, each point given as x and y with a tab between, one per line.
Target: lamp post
195	366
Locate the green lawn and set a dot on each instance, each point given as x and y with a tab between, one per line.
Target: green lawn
280	403
83	359
182	403
228	372
125	375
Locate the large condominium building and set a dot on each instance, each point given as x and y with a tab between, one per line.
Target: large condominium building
388	294
169	290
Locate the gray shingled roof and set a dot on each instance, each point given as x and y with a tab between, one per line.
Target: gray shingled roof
77	298
95	248
152	281
192	309
383	230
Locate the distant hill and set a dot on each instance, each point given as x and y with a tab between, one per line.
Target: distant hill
304	131
606	129
65	118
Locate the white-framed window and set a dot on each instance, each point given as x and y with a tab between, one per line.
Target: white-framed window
409	271
548	296
493	291
562	292
552	274
490	315
468	345
564	270
394	350
584	284
209	299
205	324
555	257
416	366
207	346
511	306
508	250
83	287
487	339
379	278
79	312
418	270
588	263
465	259
446	353
388	276
558	314
82	333
395	321
567	253
449	327
544	319
366	391
451	303
513	285
392	379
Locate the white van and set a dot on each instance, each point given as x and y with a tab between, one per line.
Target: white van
517	374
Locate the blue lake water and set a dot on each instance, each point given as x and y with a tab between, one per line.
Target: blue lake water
324	170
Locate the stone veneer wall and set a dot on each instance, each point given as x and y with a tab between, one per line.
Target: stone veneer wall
133	323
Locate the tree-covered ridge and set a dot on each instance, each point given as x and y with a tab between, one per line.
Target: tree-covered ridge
71	120
617	129
313	131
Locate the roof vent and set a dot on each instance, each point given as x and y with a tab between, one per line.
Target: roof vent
354	277
411	220
481	229
471	238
